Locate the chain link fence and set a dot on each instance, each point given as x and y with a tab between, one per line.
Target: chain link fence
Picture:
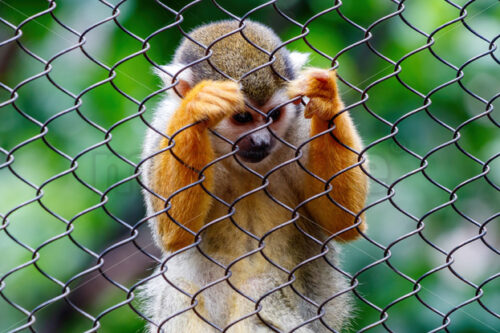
420	78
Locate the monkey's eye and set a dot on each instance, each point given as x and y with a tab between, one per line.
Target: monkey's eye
243	117
275	114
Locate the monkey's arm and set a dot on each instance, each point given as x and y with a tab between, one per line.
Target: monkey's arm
207	103
327	156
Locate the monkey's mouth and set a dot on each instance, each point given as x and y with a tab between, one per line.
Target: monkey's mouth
253	156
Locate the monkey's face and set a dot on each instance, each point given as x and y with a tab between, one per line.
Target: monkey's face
254	133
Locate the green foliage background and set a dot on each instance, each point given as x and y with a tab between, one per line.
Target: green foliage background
74	205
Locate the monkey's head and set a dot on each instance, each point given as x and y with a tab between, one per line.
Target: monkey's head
245	58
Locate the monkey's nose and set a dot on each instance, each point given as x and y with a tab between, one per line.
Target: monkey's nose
259	144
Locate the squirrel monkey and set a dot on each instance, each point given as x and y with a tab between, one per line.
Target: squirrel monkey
224	269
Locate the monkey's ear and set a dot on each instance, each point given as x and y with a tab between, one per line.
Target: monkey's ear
185	77
298	60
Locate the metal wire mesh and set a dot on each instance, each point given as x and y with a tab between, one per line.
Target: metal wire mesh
55	271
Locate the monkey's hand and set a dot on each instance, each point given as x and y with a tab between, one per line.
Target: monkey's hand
178	167
211	101
320	86
327	157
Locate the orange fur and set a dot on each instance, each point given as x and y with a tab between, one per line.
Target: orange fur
209	102
327	156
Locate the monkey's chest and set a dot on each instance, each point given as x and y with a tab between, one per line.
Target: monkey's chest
270	268
251	223
261	253
259	239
